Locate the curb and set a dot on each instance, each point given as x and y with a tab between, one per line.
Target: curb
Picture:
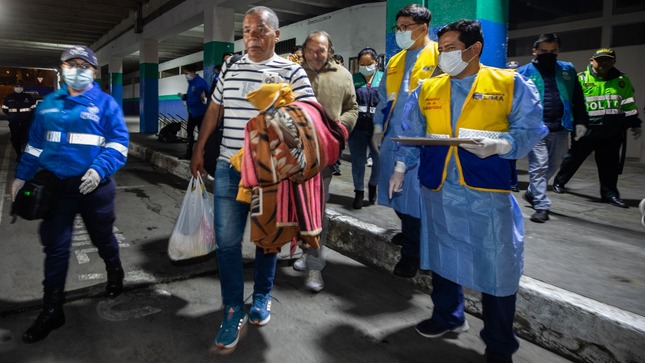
566	323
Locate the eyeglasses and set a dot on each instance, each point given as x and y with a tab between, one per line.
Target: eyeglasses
403	27
82	66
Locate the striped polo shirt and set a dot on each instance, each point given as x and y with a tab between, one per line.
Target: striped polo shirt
246	76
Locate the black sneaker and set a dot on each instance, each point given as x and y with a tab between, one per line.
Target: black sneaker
407	267
529	198
430	329
397	239
494	357
540	216
616	202
558	188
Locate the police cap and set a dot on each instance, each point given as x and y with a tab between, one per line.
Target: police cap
81	52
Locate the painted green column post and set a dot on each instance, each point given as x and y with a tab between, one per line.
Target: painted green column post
213	52
115	70
493	15
219	34
149	86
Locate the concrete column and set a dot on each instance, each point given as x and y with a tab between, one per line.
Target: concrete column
493	15
115	71
218	37
148	85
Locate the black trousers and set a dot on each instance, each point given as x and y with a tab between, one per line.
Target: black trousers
193	121
19	134
98	212
607	153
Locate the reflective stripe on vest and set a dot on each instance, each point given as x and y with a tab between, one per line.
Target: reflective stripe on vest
118	147
76	138
33	151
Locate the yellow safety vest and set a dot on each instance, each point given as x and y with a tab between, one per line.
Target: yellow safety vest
423	69
484	114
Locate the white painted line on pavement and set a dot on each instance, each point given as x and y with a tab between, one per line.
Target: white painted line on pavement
81	255
88	277
139	276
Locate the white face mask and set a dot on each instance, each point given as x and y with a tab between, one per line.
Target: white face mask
189	77
451	62
18	89
78	79
367	70
404	39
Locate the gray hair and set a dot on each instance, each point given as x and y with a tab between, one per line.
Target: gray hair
271	17
316	33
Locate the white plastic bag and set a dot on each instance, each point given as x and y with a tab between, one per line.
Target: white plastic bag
193	234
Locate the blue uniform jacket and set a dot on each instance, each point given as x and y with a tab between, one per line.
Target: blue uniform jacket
565	77
71	134
194	96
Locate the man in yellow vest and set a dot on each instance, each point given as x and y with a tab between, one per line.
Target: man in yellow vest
472	230
405	71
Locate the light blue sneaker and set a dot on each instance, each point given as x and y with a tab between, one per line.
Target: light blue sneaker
235	319
260	313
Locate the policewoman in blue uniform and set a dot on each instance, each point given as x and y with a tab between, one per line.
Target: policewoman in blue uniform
80	135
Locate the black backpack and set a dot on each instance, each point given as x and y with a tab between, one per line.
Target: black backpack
168	133
211	149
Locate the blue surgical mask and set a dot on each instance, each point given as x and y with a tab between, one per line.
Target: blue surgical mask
78	79
367	70
404	39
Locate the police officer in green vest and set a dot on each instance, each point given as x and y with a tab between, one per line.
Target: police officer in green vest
609	98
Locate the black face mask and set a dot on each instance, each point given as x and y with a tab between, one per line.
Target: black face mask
547	59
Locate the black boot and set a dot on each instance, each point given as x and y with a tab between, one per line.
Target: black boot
406	267
371	193
52	316
358	199
115	277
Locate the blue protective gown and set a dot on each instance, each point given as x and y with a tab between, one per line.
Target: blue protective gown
475	238
406	202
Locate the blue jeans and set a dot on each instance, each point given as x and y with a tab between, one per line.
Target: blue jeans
230	220
96	209
544	161
359	141
497	312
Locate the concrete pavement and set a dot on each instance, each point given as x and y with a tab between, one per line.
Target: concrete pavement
581	295
170	312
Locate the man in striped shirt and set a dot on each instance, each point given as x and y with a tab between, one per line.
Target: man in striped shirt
259	65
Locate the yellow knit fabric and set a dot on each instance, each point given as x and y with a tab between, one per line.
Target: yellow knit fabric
271	94
243	194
